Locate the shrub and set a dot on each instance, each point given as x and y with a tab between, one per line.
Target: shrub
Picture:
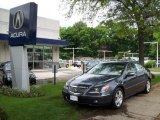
3	115
34	92
150	64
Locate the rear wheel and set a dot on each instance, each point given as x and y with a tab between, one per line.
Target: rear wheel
1	84
118	98
147	87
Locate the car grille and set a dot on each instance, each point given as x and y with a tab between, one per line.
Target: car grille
78	89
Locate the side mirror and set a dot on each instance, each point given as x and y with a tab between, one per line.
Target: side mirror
130	74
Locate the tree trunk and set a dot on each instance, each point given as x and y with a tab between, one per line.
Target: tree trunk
141	45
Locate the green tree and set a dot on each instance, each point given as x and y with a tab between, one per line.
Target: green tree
122	37
108	35
142	14
88	38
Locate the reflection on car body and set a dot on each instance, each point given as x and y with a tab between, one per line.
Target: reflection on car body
91	64
108	83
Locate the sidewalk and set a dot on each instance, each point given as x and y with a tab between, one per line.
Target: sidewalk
62	74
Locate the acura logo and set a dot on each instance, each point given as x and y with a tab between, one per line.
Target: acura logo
18	20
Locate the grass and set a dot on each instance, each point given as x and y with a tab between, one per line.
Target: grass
154	69
156	79
50	107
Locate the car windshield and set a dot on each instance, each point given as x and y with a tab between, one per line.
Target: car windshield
7	66
108	68
92	63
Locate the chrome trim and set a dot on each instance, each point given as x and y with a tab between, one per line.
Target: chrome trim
75	87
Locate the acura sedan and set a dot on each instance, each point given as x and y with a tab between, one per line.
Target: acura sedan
6	77
108	83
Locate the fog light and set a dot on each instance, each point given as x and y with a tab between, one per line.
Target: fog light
95	101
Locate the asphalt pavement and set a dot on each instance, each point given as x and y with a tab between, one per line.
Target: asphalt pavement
155	72
45	76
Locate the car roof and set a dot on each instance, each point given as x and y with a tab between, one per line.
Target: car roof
120	62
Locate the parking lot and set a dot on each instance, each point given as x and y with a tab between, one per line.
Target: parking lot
44	76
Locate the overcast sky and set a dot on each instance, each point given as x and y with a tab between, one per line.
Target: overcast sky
46	8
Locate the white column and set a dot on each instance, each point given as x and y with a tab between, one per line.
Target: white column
20	72
55	54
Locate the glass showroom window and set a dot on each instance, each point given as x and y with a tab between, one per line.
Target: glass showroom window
30	56
47	57
39	57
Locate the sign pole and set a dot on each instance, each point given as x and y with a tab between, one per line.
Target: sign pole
55	74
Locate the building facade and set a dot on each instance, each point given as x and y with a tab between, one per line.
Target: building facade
45	52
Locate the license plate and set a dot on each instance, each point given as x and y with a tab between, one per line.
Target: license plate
73	98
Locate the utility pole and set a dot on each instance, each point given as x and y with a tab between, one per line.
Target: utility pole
104	53
73	51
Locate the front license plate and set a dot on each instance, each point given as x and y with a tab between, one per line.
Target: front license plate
73	98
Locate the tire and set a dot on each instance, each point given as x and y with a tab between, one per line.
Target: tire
118	98
1	84
147	87
4	81
67	66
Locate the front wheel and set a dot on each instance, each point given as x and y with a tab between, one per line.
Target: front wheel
118	98
147	87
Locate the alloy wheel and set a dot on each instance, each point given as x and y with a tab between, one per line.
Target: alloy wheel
118	98
148	86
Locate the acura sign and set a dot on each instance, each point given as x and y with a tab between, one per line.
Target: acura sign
23	24
18	21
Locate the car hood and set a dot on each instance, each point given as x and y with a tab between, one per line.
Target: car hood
91	79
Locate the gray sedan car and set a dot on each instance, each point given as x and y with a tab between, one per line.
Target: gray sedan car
108	83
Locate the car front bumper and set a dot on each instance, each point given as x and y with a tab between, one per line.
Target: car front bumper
88	99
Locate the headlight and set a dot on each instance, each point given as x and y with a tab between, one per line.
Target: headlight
105	88
99	90
95	90
9	76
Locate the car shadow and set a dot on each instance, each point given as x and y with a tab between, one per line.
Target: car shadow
88	112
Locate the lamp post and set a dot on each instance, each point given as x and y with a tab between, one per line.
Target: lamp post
104	53
73	52
157	49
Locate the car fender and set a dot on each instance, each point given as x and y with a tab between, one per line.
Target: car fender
114	85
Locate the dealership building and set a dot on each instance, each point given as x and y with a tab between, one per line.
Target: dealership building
45	52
